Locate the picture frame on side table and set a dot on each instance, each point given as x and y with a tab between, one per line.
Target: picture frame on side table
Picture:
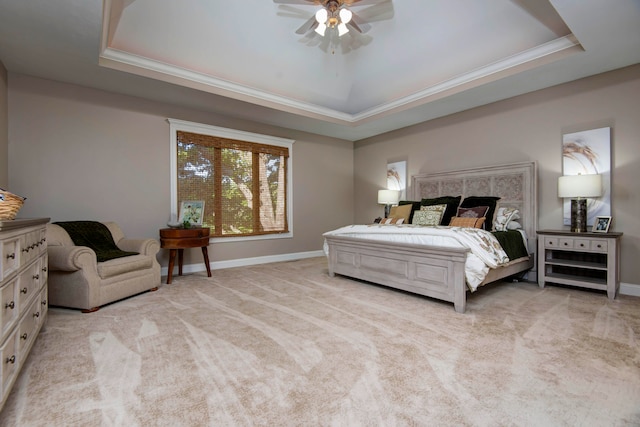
192	211
601	224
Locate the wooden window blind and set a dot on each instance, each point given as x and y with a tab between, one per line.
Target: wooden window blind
243	184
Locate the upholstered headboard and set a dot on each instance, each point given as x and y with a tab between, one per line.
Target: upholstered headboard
515	184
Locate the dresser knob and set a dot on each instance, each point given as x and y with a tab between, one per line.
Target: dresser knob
36	276
24	336
24	291
11	256
599	246
566	244
10	305
11	360
36	314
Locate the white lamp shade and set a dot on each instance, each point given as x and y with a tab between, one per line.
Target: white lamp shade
388	197
571	186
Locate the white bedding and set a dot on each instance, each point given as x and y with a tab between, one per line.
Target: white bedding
484	253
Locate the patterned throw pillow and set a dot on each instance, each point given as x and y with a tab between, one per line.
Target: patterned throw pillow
475	212
504	216
456	221
392	220
429	215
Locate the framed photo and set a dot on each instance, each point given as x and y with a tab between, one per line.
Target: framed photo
601	224
192	211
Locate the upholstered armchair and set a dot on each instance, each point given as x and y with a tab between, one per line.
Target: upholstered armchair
78	280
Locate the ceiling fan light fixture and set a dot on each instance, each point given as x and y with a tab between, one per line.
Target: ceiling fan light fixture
342	29
321	16
345	15
320	29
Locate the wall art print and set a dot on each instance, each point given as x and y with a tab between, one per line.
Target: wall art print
589	152
397	178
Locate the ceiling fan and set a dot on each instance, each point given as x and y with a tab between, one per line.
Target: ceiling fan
333	14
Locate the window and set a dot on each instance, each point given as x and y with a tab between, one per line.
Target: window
243	179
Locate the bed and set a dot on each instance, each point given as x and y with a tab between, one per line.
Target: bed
439	271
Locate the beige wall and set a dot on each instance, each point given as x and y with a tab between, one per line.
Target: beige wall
4	129
525	128
88	154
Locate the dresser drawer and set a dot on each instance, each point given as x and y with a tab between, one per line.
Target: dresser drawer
10	252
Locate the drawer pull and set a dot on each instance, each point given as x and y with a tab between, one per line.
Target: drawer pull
10	305
44	302
36	276
11	255
11	359
24	336
24	291
44	269
36	314
599	246
566	244
582	245
550	243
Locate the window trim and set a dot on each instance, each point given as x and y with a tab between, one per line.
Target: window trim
176	125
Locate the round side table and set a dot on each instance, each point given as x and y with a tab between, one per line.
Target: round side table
179	239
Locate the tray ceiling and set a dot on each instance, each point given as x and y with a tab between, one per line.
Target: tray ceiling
418	60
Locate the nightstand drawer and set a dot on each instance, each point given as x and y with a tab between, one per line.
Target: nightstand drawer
551	242
565	243
599	245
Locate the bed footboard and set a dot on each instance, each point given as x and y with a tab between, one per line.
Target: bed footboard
436	272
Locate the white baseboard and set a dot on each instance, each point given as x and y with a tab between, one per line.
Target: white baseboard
630	289
243	262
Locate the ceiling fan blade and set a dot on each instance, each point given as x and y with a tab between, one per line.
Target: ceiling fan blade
309	25
361	2
305	2
358	23
352	24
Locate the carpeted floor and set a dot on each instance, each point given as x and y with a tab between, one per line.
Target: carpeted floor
285	345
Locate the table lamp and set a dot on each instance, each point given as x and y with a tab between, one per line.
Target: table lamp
388	198
578	188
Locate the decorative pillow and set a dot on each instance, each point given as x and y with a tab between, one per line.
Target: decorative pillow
415	206
456	221
403	211
514	225
427	217
504	216
392	220
433	217
452	205
491	201
477	212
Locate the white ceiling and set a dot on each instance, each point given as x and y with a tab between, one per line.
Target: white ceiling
417	59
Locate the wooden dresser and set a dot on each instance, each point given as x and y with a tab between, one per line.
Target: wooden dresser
23	294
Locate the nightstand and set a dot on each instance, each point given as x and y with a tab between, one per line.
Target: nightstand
586	260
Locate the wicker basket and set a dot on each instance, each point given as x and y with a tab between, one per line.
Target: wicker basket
10	204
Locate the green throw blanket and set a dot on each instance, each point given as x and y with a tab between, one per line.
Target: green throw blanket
95	236
512	243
